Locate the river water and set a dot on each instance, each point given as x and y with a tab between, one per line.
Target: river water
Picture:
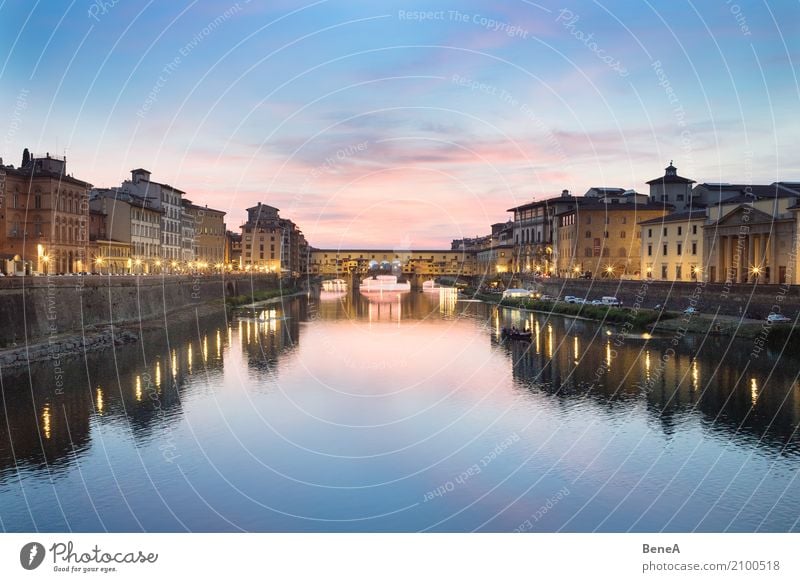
408	413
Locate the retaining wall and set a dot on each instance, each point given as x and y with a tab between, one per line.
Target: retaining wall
755	301
40	307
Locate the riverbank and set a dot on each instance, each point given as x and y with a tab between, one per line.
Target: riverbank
265	297
642	319
775	335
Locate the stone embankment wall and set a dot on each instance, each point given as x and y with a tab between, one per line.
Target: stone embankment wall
36	308
753	301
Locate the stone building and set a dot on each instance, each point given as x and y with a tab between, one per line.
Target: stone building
44	215
602	239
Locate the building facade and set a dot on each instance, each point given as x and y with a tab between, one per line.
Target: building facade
44	216
273	244
209	233
673	246
166	199
599	239
131	220
535	232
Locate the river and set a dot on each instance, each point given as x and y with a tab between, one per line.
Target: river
336	413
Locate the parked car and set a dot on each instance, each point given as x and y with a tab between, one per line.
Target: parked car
596	302
570	299
691	311
778	318
610	301
546	297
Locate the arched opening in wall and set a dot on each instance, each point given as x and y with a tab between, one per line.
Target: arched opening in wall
69	263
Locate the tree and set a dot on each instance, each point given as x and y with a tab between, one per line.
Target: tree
26	157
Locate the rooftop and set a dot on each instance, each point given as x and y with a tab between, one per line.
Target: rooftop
678	217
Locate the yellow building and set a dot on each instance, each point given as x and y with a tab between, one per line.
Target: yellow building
603	239
672	246
112	257
209	234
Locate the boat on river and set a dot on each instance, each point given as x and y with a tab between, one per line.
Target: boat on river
515	334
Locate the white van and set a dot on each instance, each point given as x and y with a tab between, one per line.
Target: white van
610	301
516	293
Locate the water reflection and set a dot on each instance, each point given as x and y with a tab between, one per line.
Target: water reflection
340	371
667	377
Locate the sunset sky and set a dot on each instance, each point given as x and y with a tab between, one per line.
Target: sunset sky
370	125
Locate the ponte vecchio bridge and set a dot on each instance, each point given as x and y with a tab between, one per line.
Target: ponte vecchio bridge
417	265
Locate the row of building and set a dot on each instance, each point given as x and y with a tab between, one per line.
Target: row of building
54	223
679	231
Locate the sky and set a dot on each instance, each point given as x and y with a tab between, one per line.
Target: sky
401	124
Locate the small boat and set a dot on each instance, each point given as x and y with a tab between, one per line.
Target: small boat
515	335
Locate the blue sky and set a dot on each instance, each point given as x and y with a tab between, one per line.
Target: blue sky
402	123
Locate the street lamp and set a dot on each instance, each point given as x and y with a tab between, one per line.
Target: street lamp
99	263
138	263
610	270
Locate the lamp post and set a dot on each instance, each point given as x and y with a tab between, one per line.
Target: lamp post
99	265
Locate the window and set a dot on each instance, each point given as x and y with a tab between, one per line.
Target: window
588	251
649	233
694	248
694	229
663	271
666	252
622	234
649	250
680	249
624	220
680	231
664	198
588	234
678	273
665	231
37	200
605	234
606	252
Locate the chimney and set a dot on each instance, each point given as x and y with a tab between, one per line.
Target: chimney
565	193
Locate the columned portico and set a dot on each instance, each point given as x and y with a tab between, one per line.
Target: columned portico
747	247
